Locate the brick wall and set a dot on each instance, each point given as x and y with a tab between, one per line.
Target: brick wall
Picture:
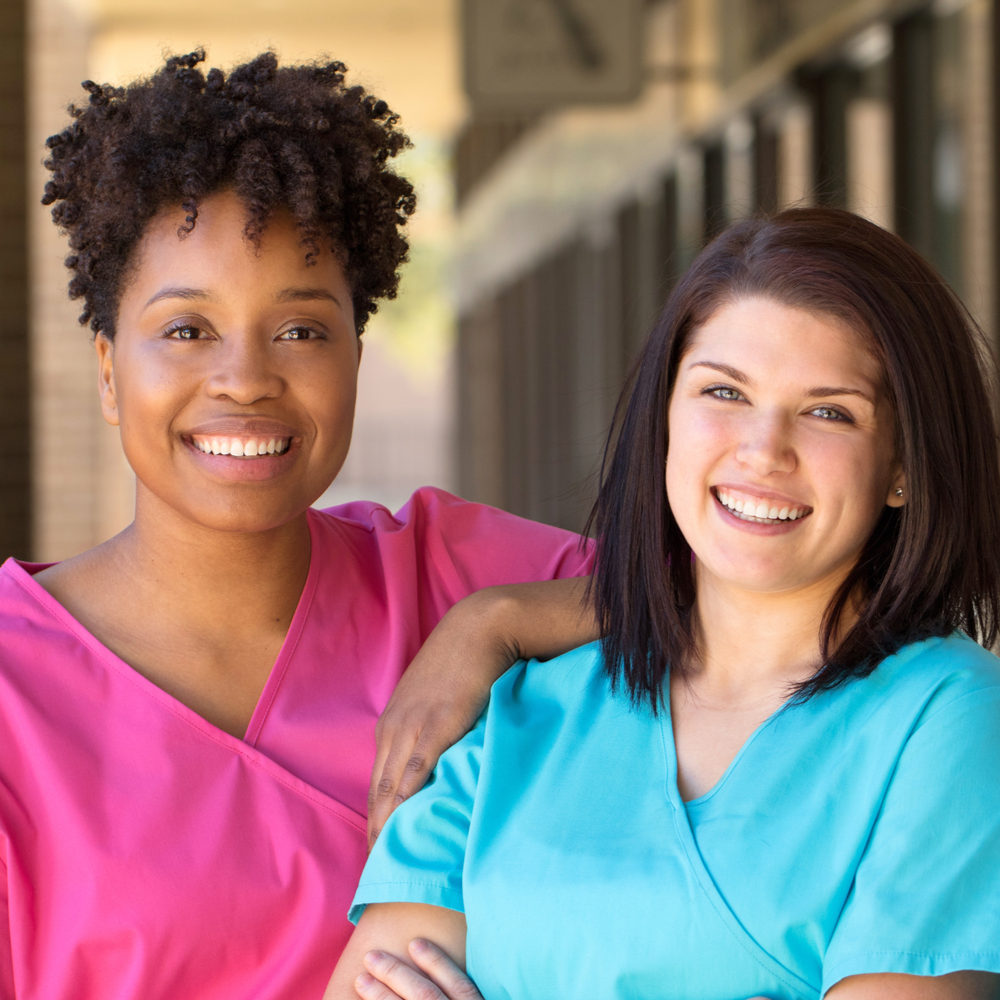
83	488
15	424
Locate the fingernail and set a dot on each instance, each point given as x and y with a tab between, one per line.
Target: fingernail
374	956
364	981
418	944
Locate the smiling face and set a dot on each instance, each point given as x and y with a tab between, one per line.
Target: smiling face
233	370
781	454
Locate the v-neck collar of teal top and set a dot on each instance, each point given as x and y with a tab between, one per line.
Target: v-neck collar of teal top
682	810
666	727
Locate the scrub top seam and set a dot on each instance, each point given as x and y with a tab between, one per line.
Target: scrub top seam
925	716
694	868
280	666
197	723
832	976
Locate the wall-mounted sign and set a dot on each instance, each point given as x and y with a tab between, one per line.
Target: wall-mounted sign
529	55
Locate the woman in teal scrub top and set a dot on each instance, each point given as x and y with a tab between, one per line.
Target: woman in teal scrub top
777	774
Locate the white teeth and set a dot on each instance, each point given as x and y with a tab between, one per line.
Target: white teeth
242	448
748	510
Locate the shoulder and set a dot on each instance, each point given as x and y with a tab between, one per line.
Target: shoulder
567	686
942	671
485	545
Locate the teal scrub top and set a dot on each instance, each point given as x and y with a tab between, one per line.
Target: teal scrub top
857	832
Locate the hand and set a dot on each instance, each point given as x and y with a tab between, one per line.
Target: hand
447	685
436	702
390	979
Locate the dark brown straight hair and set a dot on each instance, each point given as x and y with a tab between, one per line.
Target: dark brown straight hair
929	567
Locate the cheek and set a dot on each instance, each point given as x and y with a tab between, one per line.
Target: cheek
855	476
147	394
698	440
329	392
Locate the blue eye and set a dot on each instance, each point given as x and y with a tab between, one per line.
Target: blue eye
726	392
829	413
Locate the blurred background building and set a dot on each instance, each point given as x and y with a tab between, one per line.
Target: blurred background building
571	157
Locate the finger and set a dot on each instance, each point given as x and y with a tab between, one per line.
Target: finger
383	748
407	766
369	988
455	984
405	981
385	782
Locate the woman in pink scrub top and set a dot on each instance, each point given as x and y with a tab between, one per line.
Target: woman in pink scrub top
187	712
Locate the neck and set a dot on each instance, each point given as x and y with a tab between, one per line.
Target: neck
226	579
753	642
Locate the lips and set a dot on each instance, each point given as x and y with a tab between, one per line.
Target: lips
245	448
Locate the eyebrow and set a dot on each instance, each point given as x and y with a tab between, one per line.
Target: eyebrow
734	373
818	393
306	295
286	295
837	390
177	292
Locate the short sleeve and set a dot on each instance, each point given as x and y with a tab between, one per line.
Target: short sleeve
469	546
420	853
926	894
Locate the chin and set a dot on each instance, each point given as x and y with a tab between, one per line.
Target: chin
244	515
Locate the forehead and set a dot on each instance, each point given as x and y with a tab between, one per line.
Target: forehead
784	345
217	247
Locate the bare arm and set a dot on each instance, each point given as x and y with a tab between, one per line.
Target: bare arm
446	686
887	986
389	929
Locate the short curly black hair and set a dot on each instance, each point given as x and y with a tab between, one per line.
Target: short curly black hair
289	136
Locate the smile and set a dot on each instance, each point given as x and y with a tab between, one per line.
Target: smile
240	447
759	510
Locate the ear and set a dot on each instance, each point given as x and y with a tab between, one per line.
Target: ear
897	490
106	378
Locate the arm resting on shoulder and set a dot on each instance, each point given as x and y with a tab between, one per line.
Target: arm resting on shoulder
890	986
446	687
389	928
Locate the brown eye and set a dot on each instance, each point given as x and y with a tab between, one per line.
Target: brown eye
298	333
184	333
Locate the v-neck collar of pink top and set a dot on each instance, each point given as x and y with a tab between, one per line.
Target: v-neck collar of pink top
149	853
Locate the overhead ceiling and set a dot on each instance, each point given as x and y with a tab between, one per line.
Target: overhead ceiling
407	51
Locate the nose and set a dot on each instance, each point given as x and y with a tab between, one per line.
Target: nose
766	444
246	371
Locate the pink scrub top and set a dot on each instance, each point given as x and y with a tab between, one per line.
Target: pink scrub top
146	853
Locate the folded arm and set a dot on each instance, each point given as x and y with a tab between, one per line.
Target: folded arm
390	955
447	685
889	986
